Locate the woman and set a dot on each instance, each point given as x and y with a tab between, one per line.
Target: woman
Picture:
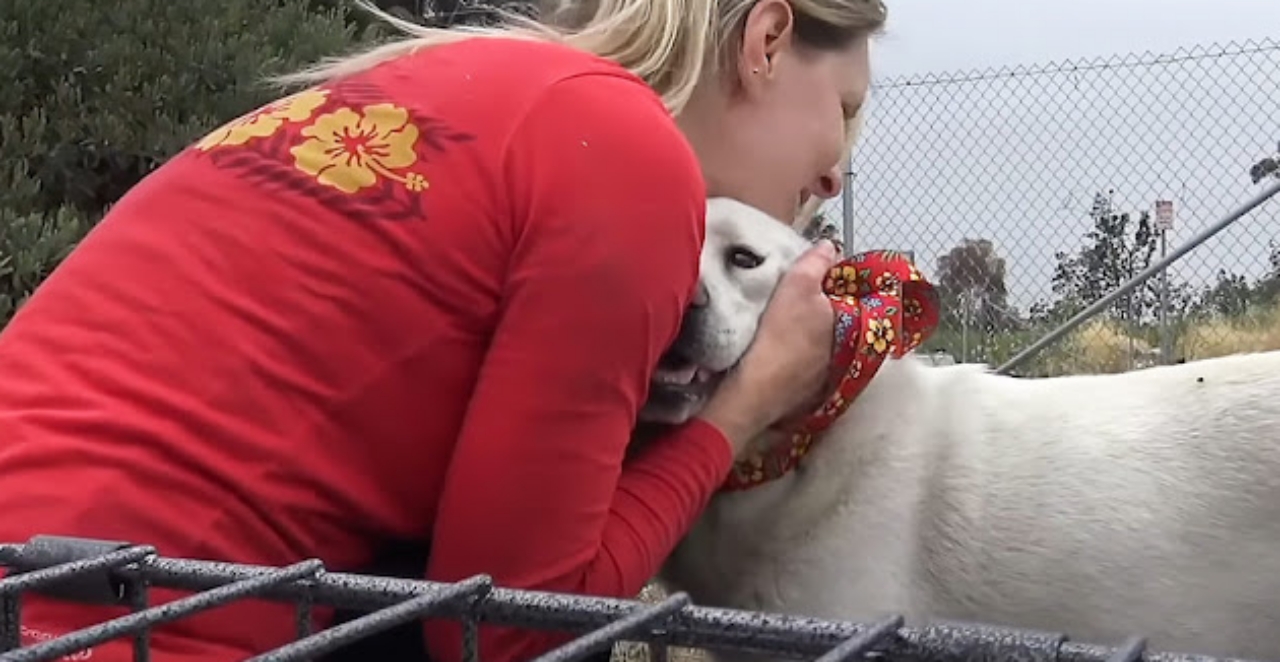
422	298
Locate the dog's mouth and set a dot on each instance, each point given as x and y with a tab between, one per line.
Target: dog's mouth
676	371
679	389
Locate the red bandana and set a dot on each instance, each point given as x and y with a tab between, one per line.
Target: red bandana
883	307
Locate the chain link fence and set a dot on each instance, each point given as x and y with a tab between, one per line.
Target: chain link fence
1027	193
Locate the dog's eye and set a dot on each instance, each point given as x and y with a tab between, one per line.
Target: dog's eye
744	258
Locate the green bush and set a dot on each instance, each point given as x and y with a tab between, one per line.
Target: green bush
98	94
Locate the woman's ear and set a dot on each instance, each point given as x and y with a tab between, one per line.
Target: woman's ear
767	33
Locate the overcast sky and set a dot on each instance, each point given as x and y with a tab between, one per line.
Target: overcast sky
932	35
1017	158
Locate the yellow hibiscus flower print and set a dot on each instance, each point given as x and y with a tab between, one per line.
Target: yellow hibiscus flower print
751	468
265	120
800	446
887	281
350	150
880	335
841	280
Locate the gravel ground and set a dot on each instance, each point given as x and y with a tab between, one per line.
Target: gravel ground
628	652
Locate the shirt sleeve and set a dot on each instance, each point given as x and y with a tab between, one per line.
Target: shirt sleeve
608	207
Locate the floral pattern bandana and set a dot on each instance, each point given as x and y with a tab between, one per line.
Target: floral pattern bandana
884	307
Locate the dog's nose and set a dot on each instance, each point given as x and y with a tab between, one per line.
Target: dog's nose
701	298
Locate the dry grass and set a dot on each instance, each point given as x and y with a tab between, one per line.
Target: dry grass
1255	333
1104	346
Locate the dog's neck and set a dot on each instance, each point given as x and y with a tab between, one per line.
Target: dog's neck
883	308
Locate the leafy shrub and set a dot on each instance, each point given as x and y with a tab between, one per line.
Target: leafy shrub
98	94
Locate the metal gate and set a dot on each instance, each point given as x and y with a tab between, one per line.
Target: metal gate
117	573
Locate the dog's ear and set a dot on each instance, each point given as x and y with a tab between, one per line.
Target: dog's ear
814	230
806	213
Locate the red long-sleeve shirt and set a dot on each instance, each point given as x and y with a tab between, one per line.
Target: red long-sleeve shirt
424	301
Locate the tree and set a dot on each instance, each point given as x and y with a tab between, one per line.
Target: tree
98	95
971	285
460	12
1266	292
1266	167
1229	296
1233	295
1119	246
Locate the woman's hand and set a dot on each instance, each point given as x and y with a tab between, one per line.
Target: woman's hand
786	367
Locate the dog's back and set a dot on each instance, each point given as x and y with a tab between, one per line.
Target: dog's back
1110	505
1144	503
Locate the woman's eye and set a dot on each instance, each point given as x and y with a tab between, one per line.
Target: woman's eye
744	258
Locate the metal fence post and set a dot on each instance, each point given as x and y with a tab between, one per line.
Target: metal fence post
846	207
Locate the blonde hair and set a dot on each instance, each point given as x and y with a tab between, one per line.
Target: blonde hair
672	45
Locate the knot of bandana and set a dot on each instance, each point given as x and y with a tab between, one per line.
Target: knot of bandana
884	307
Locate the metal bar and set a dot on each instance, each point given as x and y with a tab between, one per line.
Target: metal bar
775	635
303	615
327	641
12	586
552	611
604	638
45	577
856	647
139	600
470	640
1132	283
963	641
703	627
471	632
10	621
1131	651
79	640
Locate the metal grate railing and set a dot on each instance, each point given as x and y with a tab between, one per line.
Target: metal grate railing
117	573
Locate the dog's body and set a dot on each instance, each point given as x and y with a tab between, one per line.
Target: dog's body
1145	503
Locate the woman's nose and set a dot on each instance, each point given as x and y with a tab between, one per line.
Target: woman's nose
828	184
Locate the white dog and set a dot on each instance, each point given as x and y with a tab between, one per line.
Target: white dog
1145	503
